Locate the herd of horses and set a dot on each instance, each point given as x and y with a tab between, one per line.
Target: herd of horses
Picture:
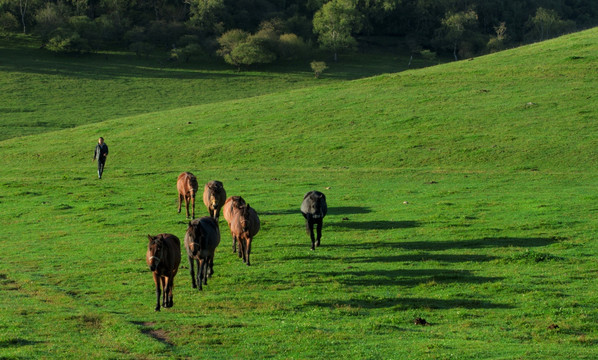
203	234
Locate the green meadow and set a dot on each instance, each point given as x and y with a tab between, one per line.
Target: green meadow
462	194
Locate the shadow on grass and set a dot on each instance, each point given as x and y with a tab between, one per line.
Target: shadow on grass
408	303
407	277
479	243
346	210
376	225
156	334
16	342
494	242
398	258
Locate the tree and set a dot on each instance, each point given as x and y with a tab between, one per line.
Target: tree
547	23
454	27
335	22
23	8
318	67
254	51
229	41
497	43
49	19
8	22
207	14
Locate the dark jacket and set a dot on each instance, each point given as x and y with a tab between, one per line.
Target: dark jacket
100	152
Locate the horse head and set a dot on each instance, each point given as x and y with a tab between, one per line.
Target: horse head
196	237
214	203
154	252
245	218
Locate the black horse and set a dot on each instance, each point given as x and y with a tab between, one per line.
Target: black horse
314	209
201	239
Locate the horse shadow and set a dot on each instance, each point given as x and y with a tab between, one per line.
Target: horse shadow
407	277
407	303
376	224
442	245
348	210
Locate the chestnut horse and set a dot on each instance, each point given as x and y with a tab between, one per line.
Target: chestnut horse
214	197
232	206
163	258
314	209
244	225
201	239
187	186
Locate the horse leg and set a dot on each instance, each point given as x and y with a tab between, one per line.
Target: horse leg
205	265
310	228
200	263
168	293
157	282
164	281
234	244
180	201
187	204
248	249
192	207
319	230
211	265
172	290
241	251
191	266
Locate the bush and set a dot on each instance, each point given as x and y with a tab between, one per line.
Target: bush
8	22
135	35
428	55
48	20
164	34
251	52
68	43
186	53
187	40
87	29
111	28
495	44
141	48
318	67
291	46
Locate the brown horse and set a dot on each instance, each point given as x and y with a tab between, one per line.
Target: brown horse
201	239
163	258
187	186
244	226
214	197
232	206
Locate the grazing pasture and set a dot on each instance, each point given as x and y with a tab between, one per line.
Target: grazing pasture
461	222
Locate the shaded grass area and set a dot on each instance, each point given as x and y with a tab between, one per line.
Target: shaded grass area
44	92
466	208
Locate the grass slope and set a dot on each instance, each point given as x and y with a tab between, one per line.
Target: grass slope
43	92
463	194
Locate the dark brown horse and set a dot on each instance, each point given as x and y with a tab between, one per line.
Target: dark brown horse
214	197
201	239
314	209
187	186
230	208
244	225
163	258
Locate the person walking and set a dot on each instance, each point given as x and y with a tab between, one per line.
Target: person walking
100	153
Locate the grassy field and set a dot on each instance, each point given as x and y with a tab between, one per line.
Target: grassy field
44	92
462	194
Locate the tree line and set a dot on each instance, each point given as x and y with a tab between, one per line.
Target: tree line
244	32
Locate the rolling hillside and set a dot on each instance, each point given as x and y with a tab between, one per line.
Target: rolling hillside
463	194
